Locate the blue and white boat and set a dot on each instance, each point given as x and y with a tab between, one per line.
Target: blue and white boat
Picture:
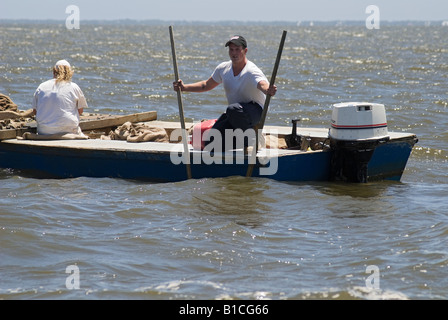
357	147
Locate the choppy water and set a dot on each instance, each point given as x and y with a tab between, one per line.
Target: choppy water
232	238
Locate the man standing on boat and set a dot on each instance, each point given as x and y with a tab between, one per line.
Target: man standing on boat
245	86
59	102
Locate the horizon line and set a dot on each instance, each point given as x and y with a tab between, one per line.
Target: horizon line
224	21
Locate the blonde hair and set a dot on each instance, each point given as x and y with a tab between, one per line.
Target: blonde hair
62	73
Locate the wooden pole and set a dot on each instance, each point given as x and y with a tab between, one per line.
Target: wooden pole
181	108
260	125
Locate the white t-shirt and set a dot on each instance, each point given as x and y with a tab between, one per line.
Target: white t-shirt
57	105
243	87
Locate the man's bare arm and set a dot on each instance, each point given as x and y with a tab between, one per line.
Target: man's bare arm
266	88
201	86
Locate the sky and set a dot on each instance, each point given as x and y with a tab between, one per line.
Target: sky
224	10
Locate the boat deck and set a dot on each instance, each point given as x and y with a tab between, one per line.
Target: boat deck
321	133
161	147
141	147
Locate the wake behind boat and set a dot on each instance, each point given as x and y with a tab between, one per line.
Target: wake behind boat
357	147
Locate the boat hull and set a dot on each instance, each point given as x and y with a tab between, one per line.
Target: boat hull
150	162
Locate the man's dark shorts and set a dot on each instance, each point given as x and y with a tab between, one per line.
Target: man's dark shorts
238	116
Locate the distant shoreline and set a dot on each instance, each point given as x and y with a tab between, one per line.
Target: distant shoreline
232	22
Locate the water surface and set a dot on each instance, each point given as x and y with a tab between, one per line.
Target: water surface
232	238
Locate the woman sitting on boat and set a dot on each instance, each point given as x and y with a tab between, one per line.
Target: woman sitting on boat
59	102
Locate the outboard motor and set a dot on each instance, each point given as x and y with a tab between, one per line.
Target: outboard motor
357	128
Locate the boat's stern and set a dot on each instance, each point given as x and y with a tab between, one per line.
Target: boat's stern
357	130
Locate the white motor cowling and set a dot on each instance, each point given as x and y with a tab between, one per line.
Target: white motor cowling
356	121
357	128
